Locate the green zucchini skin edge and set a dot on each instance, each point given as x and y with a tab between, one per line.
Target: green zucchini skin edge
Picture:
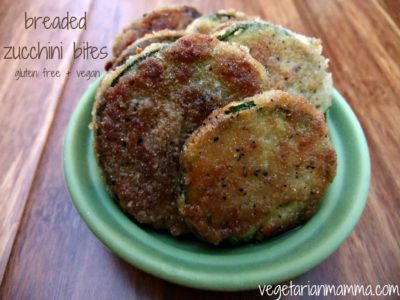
240	107
133	63
230	31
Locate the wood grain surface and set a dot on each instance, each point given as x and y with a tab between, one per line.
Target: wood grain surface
47	252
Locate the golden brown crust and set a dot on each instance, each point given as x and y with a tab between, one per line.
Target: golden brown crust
209	23
143	116
175	18
256	172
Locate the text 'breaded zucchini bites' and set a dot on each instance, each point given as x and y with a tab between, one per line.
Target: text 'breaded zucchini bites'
146	108
175	18
293	61
256	168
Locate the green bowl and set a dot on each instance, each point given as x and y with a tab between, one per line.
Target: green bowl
190	262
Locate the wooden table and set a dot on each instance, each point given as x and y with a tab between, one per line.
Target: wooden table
47	252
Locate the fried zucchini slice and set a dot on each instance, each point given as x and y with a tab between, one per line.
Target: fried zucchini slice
294	61
174	18
256	168
146	108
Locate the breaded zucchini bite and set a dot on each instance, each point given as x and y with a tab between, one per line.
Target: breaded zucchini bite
163	36
175	18
146	108
207	24
294	61
256	168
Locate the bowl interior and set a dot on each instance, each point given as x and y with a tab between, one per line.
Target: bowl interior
192	263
